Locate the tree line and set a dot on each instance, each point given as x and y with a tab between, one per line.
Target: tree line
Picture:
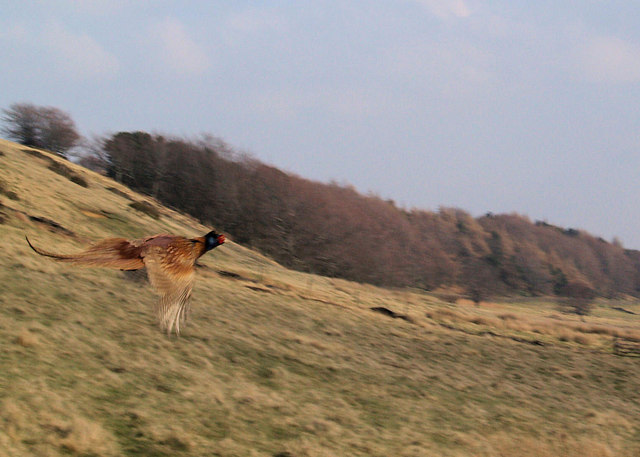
333	230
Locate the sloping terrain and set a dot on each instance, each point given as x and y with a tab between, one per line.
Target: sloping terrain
275	362
335	231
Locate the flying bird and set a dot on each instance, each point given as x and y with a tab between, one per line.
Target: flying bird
170	262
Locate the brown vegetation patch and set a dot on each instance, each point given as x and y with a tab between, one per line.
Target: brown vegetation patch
93	214
622	310
487	321
52	225
58	167
8	193
3	215
79	180
231	275
175	442
146	208
119	192
626	347
259	289
35	153
392	314
67	172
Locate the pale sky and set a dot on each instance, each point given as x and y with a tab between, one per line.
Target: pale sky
489	106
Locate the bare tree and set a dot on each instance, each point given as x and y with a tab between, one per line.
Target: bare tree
44	127
21	123
57	130
92	154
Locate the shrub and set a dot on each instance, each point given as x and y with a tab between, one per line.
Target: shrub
579	297
79	180
119	192
146	208
67	172
8	193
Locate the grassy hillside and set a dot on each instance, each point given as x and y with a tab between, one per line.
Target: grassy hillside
275	362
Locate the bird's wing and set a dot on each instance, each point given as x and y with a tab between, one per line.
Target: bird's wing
173	279
111	253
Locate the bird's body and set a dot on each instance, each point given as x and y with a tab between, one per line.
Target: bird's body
169	259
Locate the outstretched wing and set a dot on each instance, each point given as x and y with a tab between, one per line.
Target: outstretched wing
172	275
111	253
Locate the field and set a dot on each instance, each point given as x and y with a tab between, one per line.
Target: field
276	363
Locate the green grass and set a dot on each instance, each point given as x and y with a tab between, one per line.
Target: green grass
275	362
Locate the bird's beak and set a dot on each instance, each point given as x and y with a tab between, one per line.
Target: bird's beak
221	239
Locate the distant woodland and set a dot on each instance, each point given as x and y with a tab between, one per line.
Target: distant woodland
333	230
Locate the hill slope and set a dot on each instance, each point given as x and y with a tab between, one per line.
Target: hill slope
335	231
275	362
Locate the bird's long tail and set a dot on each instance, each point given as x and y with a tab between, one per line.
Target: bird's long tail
62	257
111	253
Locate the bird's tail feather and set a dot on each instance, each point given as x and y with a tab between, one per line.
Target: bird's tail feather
62	257
110	253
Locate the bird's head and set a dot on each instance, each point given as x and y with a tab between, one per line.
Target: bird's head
212	240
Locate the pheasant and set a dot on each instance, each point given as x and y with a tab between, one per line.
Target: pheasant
170	262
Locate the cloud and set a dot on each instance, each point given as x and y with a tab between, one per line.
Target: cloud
609	59
444	9
175	50
78	55
56	50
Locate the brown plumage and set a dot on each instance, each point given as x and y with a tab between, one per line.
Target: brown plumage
170	262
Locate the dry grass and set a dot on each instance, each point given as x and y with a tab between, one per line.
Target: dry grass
564	328
503	445
26	338
279	363
84	437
